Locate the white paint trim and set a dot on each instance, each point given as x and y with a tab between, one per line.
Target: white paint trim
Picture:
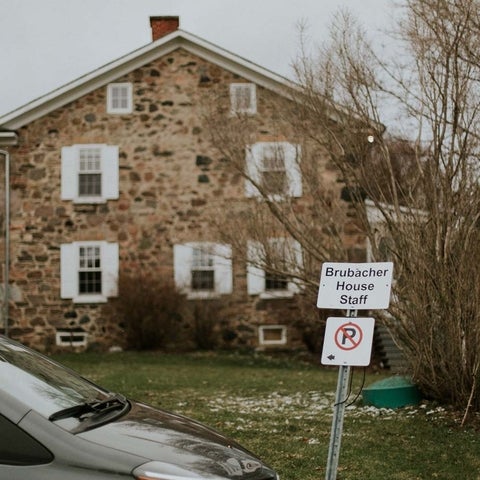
111	110
261	335
61	341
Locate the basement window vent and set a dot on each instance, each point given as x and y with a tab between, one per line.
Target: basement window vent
71	338
272	335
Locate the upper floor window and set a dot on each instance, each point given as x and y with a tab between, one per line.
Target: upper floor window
273	170
203	269
273	174
243	98
270	267
119	98
89	173
89	271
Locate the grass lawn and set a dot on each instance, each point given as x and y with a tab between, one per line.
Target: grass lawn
281	409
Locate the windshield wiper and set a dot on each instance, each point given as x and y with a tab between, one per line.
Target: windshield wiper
113	402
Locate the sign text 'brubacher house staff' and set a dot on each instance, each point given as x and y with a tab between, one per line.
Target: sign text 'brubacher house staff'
355	286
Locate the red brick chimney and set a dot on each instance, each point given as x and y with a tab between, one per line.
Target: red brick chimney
162	26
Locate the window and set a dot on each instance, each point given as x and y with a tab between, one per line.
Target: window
43	386
19	448
273	174
243	98
269	266
119	98
89	271
272	335
273	170
275	281
203	269
75	337
89	173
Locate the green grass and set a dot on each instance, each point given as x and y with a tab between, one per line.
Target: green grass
281	409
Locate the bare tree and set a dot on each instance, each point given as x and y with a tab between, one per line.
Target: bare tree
289	217
428	208
423	192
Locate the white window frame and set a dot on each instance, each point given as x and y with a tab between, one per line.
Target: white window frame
221	255
113	90
273	163
256	273
61	341
89	163
70	268
90	262
238	89
264	342
71	171
203	261
254	162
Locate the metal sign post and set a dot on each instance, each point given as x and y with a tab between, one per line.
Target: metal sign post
350	286
338	415
7	242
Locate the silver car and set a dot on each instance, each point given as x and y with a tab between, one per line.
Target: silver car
56	425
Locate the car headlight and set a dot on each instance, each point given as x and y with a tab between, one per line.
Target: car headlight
161	476
167	471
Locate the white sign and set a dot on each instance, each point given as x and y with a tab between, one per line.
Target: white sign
355	286
348	341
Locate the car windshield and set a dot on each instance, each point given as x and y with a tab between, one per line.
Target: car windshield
40	383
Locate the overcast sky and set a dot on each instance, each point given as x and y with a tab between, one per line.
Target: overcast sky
47	43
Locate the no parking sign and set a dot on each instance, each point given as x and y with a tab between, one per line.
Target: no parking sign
348	341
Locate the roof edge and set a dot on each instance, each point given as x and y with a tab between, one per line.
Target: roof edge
105	74
8	138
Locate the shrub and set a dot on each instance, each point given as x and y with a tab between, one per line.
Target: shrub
311	322
150	309
205	315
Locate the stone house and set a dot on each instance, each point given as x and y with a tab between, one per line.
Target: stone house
115	172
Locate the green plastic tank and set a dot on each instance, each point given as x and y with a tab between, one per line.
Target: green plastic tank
392	392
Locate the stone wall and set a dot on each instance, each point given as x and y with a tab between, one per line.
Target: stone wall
171	183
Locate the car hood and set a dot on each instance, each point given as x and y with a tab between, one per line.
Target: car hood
180	442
